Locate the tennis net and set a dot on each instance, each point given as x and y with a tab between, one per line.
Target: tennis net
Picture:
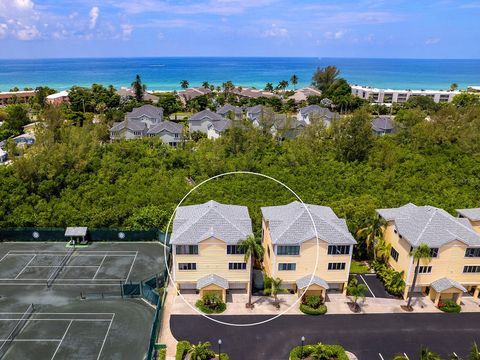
16	330
60	267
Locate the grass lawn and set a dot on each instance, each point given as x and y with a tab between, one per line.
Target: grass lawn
358	268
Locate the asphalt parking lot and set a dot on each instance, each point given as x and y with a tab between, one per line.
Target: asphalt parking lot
370	337
82	315
374	285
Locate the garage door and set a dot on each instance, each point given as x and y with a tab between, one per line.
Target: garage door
237	286
335	287
189	286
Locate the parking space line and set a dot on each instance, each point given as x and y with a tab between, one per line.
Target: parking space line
406	356
63	337
368	287
4	256
381	357
106	335
99	266
131	267
21	271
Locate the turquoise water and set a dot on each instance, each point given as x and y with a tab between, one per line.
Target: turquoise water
166	73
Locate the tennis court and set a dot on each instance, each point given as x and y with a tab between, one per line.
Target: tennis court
66	325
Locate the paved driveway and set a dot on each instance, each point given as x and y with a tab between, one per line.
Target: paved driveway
374	285
364	335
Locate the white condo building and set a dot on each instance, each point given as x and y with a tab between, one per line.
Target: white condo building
388	96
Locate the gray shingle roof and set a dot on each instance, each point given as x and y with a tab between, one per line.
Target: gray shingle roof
133	125
212	279
225	109
430	225
195	223
318	110
291	224
471	214
151	111
304	281
445	284
206	114
255	110
383	124
76	231
221	125
168	126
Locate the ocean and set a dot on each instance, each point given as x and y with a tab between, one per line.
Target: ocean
165	73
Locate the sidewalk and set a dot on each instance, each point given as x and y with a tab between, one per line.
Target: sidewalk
166	336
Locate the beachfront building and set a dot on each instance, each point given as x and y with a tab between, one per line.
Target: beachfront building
310	112
58	98
251	93
389	96
293	254
230	112
191	93
455	249
382	125
473	215
206	254
7	97
303	94
209	123
128	93
147	120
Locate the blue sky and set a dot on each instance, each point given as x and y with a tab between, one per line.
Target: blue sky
342	28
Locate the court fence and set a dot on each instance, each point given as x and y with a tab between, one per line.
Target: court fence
93	234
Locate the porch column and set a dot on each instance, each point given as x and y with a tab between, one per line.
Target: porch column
477	290
437	299
405	292
224	295
459	298
344	290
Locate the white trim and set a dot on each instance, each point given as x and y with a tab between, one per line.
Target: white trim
106	335
25	267
99	266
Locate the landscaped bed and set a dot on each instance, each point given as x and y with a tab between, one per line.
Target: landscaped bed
318	351
211	304
313	305
450	306
359	267
187	351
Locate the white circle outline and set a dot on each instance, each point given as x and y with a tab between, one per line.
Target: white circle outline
168	268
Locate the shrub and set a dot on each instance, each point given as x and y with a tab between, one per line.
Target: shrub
392	280
319	351
450	306
267	282
322	309
313	301
211	304
182	348
162	354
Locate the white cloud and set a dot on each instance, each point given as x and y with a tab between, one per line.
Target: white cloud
3	30
94	14
127	30
432	41
26	32
336	35
276	32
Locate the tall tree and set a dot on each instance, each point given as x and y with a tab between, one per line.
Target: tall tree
372	232
453	87
184	84
421	253
205	85
323	78
275	289
426	354
138	88
294	81
269	87
252	250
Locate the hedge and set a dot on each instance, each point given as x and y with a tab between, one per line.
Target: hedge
334	352
450	307
322	309
182	348
162	354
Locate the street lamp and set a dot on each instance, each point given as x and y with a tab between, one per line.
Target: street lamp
303	343
219	349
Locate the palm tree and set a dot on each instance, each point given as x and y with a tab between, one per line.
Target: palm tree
474	352
252	250
422	252
282	85
323	78
453	87
274	290
426	354
356	291
205	85
138	88
200	351
382	249
454	357
184	84
400	357
269	87
372	232
294	81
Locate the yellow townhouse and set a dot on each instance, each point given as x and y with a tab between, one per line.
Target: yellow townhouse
206	255
455	249
291	248
473	215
